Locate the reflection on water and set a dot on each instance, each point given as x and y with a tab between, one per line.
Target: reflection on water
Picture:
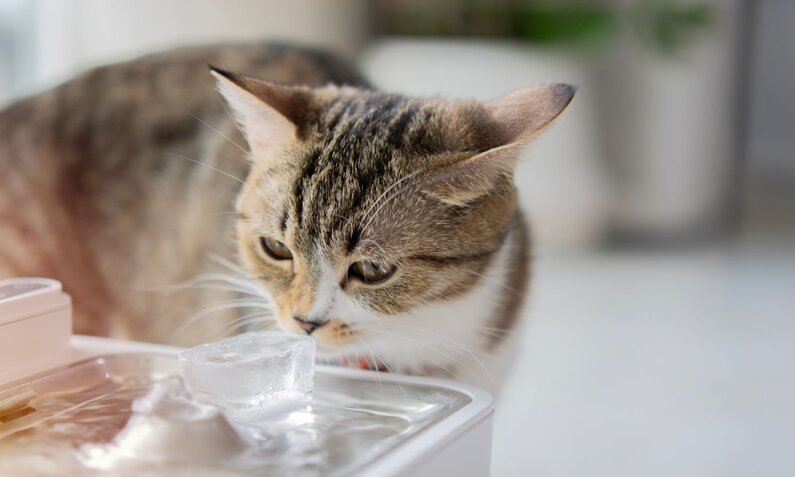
348	423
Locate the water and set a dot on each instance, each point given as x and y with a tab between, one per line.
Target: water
251	370
167	425
84	425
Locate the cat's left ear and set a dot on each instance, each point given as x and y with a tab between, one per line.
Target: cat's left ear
271	116
513	120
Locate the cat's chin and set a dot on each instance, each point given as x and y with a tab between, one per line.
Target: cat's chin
326	351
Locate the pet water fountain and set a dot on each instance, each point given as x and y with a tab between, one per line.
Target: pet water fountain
253	404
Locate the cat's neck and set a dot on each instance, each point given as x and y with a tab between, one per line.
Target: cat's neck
467	337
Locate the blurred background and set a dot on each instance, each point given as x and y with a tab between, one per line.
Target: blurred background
659	336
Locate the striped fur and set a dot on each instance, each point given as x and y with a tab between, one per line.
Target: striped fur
114	189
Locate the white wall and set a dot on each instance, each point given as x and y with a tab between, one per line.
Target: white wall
69	36
561	180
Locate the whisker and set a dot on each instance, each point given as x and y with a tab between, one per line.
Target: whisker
270	324
386	254
452	341
243	133
244	318
375	364
208	166
239	282
259	192
208	311
395	376
229	113
395	184
248	153
480	353
426	346
241	301
207	284
384	204
493	334
347	219
229	264
238	323
212	281
495	329
221	134
230	212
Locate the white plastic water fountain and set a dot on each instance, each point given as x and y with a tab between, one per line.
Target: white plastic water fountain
79	405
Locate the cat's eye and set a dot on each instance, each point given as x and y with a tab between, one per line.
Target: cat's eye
275	249
369	272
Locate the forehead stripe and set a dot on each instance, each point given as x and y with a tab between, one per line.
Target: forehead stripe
392	137
354	238
309	169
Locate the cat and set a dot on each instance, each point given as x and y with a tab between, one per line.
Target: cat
384	226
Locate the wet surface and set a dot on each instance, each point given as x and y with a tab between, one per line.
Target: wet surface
80	410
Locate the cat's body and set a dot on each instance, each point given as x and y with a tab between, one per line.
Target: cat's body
111	184
98	188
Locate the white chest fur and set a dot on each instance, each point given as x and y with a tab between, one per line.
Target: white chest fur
451	337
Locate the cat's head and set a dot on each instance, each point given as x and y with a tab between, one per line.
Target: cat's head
362	206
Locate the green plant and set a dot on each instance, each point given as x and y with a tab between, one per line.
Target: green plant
664	25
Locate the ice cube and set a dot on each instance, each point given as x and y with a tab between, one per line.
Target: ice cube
251	370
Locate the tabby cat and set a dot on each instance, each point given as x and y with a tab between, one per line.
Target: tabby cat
384	226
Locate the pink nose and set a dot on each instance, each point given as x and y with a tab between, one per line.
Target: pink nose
306	325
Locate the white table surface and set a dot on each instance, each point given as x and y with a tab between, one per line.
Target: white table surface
654	364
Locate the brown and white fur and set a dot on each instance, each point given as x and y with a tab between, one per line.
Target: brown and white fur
119	182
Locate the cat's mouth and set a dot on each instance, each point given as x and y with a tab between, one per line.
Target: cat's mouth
332	351
348	355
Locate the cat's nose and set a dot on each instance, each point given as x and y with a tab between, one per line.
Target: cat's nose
307	325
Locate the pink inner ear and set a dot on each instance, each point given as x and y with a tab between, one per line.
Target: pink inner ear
266	128
523	113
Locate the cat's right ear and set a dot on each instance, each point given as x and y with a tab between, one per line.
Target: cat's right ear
271	116
515	119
